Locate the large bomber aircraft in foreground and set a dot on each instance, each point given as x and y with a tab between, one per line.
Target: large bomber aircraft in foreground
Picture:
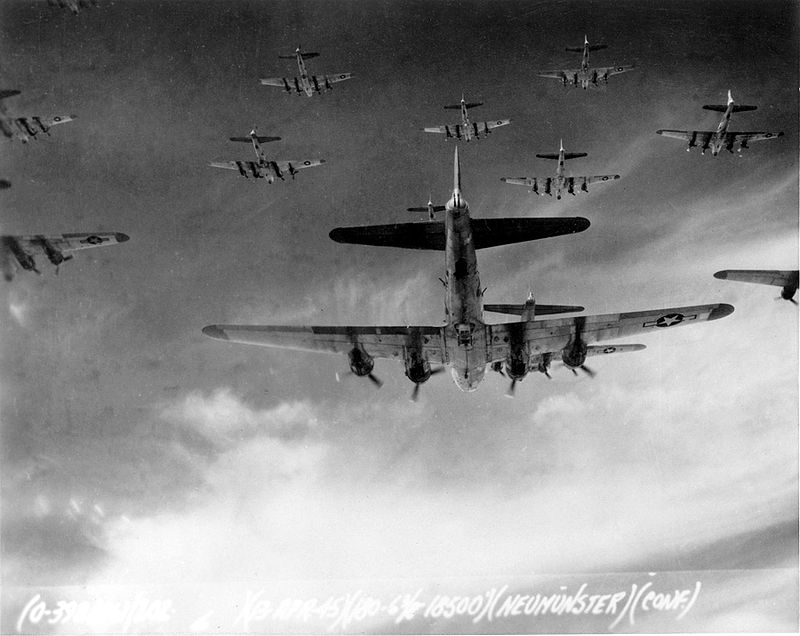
585	76
467	129
466	343
20	250
25	127
788	279
559	183
305	83
720	138
264	168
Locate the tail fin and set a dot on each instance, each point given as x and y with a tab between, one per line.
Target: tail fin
259	138
456	173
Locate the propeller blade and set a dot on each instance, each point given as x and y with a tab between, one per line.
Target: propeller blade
547	373
793	301
415	392
574	372
376	381
587	371
510	392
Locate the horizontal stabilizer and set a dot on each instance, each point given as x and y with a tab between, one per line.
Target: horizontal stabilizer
540	310
485	232
8	93
567	155
458	106
436	208
303	53
260	139
721	108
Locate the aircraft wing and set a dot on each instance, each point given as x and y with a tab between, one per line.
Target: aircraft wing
378	342
738	137
493	124
699	137
283	82
35	124
69	242
600	350
536	184
551	336
485	232
606	71
331	79
298	164
560	74
779	278
600	178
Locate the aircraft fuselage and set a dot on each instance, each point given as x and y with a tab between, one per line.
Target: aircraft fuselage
717	143
465	335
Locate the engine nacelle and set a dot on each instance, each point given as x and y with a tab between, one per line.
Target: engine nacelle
417	370
361	363
788	292
516	368
743	145
574	355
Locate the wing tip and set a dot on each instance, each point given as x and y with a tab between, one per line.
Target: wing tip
659	132
121	238
216	332
720	311
722	274
580	224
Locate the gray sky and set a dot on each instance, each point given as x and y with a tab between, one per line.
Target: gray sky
125	431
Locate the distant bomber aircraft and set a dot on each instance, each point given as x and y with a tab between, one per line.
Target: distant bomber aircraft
559	183
264	168
305	83
720	138
585	76
466	343
19	250
23	128
73	5
780	278
466	129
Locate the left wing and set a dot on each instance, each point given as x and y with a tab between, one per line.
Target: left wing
69	242
552	336
327	80
378	342
34	125
738	137
779	278
603	72
490	125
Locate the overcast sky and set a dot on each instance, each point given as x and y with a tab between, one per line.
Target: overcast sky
137	451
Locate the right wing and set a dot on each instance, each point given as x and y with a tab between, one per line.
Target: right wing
378	342
696	137
485	232
539	185
599	350
734	137
565	75
779	278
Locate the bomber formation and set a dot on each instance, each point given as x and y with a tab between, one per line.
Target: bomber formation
466	343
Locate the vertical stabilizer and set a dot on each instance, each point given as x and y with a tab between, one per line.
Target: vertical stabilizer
730	99
456	174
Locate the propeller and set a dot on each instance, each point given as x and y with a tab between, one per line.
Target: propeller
511	388
791	300
415	392
583	368
370	376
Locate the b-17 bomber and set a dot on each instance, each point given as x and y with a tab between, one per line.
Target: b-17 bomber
788	279
73	5
305	83
559	183
720	138
26	127
586	76
466	343
467	130
264	168
19	251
